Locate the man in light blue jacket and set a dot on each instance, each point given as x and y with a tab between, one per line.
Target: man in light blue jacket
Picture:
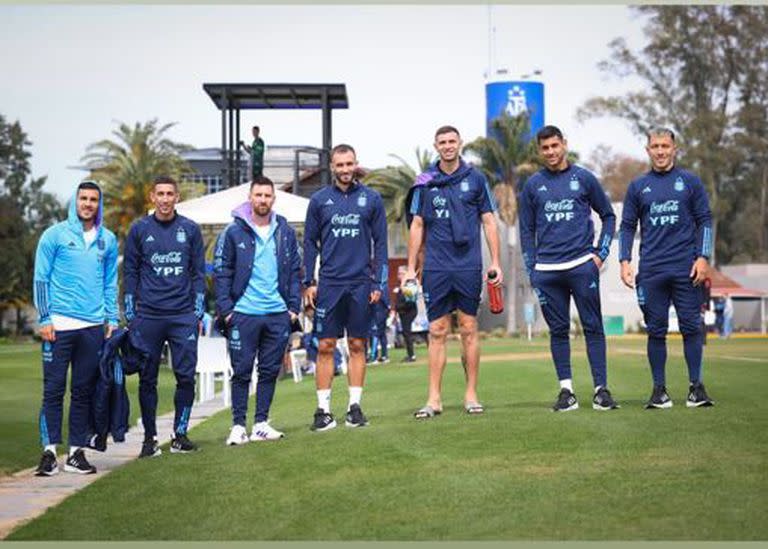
75	292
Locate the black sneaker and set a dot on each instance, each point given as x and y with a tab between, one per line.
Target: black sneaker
603	400
659	398
180	444
149	448
409	359
383	360
697	396
98	443
323	421
566	401
355	417
76	463
48	465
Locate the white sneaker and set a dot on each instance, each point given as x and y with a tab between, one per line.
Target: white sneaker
264	431
237	436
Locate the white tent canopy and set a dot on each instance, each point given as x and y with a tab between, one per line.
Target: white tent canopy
216	208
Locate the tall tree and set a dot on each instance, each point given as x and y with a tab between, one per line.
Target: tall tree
616	170
694	67
394	182
127	165
507	158
25	211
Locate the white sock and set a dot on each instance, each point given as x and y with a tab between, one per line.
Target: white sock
566	384
260	425
73	449
324	400
50	448
355	394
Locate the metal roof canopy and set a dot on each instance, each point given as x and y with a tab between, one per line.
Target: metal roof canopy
231	98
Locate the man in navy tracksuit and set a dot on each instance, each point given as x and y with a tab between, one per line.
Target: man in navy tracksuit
257	280
75	295
347	226
557	241
447	206
164	292
379	350
675	245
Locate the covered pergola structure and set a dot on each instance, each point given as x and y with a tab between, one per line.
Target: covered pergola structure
230	99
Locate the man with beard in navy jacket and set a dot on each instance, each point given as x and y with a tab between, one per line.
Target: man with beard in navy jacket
256	276
347	226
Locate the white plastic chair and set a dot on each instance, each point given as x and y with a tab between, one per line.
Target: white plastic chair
212	359
298	361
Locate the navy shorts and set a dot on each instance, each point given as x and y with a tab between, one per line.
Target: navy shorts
447	291
343	307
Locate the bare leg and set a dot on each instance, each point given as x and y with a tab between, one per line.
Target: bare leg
471	354
324	367
438	332
356	369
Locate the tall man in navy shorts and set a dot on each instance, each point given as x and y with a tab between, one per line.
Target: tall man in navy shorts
347	226
672	208
447	205
556	236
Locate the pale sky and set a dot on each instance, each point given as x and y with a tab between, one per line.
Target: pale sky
70	72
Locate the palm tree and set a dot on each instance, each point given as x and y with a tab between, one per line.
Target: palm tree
507	158
394	182
127	165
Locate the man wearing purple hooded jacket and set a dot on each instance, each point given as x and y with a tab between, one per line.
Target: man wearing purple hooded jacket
256	277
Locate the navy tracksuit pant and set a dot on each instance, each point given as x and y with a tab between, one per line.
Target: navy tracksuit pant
82	348
378	339
554	290
256	337
181	333
655	292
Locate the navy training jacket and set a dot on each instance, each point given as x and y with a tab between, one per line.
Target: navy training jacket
233	262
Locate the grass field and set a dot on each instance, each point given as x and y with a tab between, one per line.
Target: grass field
517	472
21	390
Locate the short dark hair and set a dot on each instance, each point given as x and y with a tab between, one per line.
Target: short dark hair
446	129
547	132
90	185
256	128
342	148
164	180
262	180
659	131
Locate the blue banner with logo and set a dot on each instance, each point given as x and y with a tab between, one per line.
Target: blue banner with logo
515	98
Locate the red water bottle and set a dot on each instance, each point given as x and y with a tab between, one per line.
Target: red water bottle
495	294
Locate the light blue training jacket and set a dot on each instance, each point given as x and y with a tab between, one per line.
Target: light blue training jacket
72	280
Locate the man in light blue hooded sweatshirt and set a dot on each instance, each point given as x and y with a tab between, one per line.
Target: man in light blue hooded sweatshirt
75	292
